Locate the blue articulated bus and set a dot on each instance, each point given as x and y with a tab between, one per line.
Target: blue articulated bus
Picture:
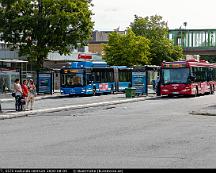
93	78
122	77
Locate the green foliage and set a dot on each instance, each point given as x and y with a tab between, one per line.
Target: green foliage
209	58
38	27
151	27
156	30
127	49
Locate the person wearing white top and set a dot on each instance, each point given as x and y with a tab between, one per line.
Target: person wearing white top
18	95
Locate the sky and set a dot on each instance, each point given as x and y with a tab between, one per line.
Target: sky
112	14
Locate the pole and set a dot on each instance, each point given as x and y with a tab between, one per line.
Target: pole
40	29
40	6
0	107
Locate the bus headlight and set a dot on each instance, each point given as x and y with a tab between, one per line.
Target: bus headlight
186	89
165	90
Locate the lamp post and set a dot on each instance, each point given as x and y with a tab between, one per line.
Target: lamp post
0	107
185	24
39	13
40	7
39	31
186	33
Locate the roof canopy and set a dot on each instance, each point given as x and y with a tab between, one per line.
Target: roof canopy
13	61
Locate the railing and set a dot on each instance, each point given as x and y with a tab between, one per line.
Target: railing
194	38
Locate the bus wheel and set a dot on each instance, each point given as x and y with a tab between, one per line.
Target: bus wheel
112	89
212	90
196	93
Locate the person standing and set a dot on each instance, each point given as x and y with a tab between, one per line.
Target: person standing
18	94
32	93
157	86
153	84
4	86
25	93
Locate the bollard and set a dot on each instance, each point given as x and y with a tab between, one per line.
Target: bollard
0	107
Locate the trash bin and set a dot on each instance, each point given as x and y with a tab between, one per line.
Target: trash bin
130	92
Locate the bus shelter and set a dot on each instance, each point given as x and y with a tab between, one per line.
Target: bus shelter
144	78
9	71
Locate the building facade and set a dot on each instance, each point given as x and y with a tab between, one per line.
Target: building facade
13	66
99	39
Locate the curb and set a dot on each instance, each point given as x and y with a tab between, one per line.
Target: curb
36	98
72	107
203	113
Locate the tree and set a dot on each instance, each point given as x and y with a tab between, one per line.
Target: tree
156	30
37	27
209	58
127	49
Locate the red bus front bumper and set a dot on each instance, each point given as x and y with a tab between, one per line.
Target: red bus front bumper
177	89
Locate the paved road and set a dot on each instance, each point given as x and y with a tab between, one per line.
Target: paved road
159	133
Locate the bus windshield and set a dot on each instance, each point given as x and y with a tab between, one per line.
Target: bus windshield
72	80
176	75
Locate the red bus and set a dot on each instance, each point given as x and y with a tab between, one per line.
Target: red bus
190	77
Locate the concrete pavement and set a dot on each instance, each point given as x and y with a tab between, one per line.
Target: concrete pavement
117	99
9	98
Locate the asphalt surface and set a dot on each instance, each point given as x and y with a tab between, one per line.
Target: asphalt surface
154	133
58	102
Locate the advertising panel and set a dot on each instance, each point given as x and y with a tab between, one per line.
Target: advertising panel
139	81
103	86
45	83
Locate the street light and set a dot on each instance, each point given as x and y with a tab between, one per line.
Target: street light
0	107
40	7
185	24
184	39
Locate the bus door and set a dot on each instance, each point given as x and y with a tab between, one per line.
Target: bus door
125	77
116	79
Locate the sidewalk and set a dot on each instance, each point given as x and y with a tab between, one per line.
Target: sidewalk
8	98
72	104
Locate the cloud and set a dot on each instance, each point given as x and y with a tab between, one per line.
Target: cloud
113	13
111	10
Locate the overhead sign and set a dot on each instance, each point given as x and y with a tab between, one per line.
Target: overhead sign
174	65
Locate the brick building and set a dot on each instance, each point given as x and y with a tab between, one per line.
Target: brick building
99	38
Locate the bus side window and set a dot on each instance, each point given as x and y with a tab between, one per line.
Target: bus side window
97	77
